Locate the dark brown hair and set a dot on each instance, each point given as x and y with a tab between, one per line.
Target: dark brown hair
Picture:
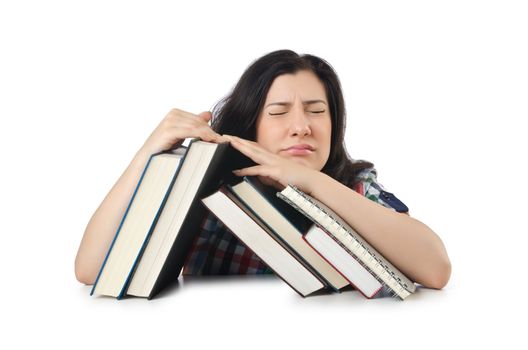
237	113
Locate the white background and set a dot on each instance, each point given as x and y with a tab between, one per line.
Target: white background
436	95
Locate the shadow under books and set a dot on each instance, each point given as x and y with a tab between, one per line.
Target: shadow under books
221	279
229	278
188	280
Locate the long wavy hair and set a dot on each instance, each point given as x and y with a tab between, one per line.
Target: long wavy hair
237	113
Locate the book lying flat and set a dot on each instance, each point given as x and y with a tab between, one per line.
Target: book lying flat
143	263
338	256
287	226
391	278
256	236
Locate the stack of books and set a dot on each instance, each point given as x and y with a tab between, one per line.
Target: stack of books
304	242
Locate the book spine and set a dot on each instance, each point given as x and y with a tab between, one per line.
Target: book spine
356	248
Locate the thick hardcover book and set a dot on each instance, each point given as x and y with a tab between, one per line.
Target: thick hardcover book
206	166
251	231
133	232
391	278
159	258
287	226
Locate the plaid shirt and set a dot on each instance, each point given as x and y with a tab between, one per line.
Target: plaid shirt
216	251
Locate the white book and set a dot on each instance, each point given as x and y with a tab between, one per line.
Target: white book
136	225
228	209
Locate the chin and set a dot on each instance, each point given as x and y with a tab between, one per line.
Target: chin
302	161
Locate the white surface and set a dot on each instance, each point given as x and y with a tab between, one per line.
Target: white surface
436	97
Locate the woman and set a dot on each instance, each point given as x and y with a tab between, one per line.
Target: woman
288	115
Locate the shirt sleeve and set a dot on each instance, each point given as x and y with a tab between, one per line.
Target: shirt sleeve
369	187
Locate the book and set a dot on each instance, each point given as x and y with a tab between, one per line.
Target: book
392	279
249	229
143	208
143	260
287	226
340	258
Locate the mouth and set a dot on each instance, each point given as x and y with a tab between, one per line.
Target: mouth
298	151
301	146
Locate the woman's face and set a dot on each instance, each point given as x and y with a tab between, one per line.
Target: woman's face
296	116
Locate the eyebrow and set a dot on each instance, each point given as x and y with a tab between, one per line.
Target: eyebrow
309	102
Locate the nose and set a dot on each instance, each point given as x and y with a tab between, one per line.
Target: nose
299	123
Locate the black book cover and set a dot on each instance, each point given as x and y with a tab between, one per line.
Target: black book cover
300	221
225	159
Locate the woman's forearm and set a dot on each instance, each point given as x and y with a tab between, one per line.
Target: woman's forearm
407	243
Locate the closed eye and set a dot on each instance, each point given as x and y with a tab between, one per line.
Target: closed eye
287	112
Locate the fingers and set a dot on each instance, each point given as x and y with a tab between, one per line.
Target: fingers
247	144
179	112
193	125
208	134
179	117
252	150
212	136
206	116
200	120
264	173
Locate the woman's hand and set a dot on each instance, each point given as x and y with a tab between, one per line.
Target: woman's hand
273	169
176	127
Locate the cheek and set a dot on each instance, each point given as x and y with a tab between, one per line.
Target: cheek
327	137
265	136
325	130
260	137
268	144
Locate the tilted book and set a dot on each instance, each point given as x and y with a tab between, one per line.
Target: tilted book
287	226
391	278
256	236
